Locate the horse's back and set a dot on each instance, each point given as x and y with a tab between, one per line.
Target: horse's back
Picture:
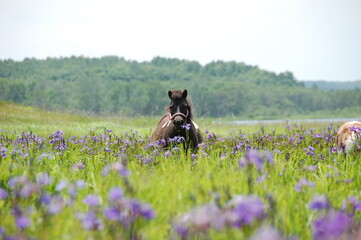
198	133
158	132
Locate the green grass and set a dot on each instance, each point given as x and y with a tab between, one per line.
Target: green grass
171	185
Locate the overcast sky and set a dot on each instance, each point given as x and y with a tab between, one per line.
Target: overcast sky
314	39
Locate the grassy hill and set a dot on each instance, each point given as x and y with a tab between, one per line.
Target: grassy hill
26	118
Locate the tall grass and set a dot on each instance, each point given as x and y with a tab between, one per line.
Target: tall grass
85	156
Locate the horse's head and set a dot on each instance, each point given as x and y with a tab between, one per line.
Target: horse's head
179	108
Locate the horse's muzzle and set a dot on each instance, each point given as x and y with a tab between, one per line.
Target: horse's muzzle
178	123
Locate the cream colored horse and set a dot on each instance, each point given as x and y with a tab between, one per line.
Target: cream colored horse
346	138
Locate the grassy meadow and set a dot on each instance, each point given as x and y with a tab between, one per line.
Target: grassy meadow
67	176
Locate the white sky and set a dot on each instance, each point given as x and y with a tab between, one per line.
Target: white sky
314	39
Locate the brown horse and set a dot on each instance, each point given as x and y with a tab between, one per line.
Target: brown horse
178	122
348	135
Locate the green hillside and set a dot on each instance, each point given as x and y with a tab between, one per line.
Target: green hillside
115	86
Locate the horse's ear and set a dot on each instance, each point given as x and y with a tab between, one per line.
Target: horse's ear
170	94
185	93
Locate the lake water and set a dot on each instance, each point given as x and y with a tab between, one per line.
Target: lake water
289	121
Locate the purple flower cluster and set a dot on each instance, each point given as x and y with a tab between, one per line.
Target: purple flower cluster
335	224
319	202
125	210
91	221
238	212
186	126
22	221
310	151
58	141
210	135
304	183
50	196
256	158
3	194
176	139
118	167
3	151
120	209
356	130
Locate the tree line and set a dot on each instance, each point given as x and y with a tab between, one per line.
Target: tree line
113	85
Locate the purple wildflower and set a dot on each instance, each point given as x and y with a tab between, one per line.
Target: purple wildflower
16	181
23	187
3	194
256	158
112	214
147	160
303	183
56	137
355	129
161	142
277	151
115	194
311	168
146	211
199	220
72	190
167	154
333	149
351	203
43	178
245	210
78	166
194	156
319	202
317	135
22	222
126	210
92	200
121	169
105	171
55	205
266	233
187	126
181	229
3	151
45	198
332	226
61	185
310	151
90	221
44	155
210	135
80	184
176	139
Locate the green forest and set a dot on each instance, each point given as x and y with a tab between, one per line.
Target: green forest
112	85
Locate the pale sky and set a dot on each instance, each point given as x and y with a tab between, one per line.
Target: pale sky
314	39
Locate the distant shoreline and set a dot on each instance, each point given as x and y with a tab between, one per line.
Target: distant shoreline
292	121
